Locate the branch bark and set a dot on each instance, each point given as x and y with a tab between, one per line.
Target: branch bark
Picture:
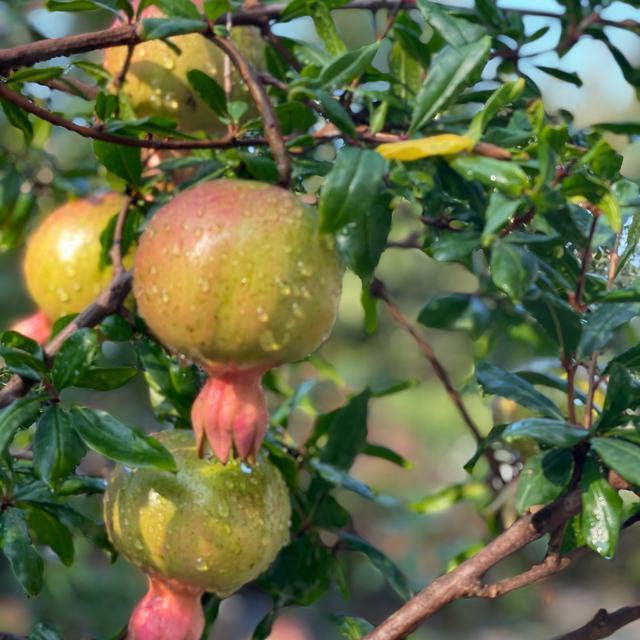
603	624
463	581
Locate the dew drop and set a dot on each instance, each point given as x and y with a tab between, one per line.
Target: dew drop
305	293
63	296
169	63
167	227
285	289
263	316
204	286
223	508
201	564
153	271
243	281
138	544
164	297
268	341
76	287
297	310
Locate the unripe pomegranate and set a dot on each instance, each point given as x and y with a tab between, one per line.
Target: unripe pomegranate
62	261
235	275
156	82
208	527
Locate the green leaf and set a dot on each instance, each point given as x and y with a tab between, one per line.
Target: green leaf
513	269
473	491
353	628
209	90
351	187
300	574
629	358
456	31
25	561
215	8
108	436
18	118
325	27
160	28
105	378
601	510
44	632
389	570
501	97
451	70
341	71
384	453
505	175
500	210
336	113
601	325
75	357
30	74
544	477
20	414
45	529
57	450
552	433
341	478
363	240
347	433
620	393
566	76
462	311
499	382
621	456
122	161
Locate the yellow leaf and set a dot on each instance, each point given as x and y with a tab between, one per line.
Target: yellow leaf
442	145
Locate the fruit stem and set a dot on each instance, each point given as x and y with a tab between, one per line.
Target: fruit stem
230	413
168	611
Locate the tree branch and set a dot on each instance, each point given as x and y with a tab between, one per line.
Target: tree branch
462	581
378	291
104	305
603	624
270	123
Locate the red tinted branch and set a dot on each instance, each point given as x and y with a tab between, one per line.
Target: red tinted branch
270	124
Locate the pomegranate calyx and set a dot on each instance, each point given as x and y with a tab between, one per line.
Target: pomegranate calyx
230	413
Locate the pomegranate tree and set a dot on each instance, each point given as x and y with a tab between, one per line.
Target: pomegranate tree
208	527
235	276
62	262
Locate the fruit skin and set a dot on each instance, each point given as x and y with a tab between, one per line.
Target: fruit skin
235	275
62	261
157	84
208	527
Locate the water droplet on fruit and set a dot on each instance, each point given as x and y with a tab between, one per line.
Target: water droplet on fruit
201	564
227	529
76	287
199	213
297	310
305	271
263	316
205	286
138	544
169	63
63	296
243	281
70	271
285	289
268	341
305	293
153	271
164	297
167	227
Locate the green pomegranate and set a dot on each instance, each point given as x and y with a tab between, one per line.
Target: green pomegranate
208	527
156	82
235	275
62	261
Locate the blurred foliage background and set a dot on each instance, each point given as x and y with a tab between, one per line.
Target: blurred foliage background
420	423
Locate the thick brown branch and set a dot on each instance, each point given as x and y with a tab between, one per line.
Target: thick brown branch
604	624
462	581
270	123
104	305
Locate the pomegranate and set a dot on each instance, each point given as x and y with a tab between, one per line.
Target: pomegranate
156	82
62	261
235	275
208	527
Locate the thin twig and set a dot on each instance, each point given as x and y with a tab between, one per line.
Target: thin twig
122	75
378	291
270	123
104	305
603	624
576	298
116	247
